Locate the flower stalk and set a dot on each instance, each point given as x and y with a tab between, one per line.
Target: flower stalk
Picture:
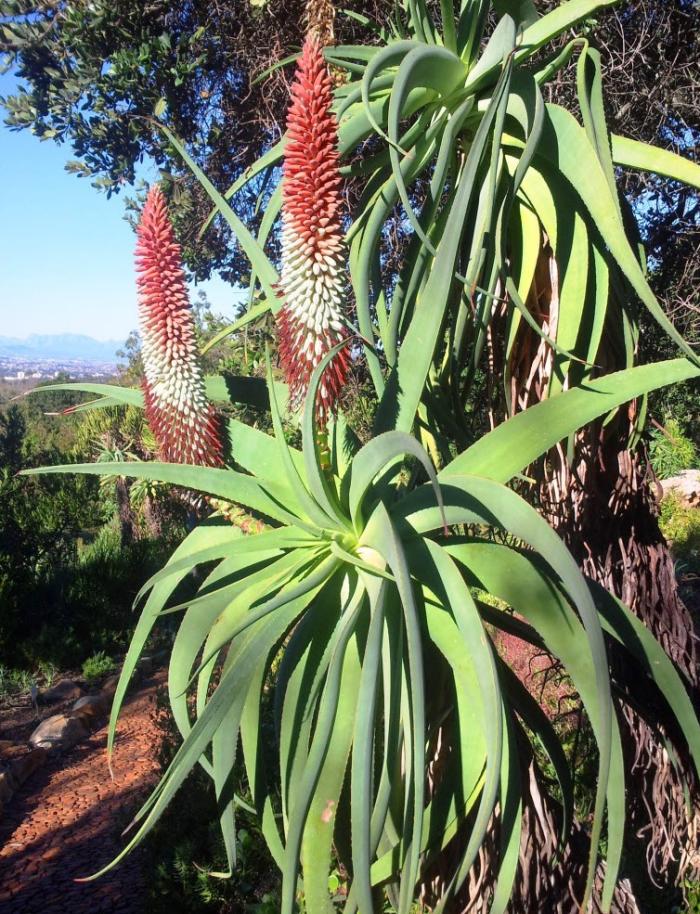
182	419
311	321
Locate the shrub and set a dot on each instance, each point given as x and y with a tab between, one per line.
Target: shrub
97	666
680	524
671	451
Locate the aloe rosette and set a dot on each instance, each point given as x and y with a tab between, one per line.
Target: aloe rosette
370	604
179	414
311	321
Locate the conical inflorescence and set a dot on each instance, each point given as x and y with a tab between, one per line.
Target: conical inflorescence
310	323
183	421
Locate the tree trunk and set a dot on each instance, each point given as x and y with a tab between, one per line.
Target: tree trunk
599	496
603	507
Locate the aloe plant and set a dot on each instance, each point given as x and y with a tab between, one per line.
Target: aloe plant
355	618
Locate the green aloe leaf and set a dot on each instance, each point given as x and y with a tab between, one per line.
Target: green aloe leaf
237	389
226	484
478	500
381	535
128	396
447	583
231	690
301	791
279	538
405	387
567	146
629	631
211	535
514	578
252	314
194	628
510	820
363	745
645	157
381	453
317	842
590	96
516	443
560	19
255	254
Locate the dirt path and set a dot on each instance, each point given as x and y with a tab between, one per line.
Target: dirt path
66	821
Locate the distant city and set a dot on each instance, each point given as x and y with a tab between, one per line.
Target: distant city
43	369
46	357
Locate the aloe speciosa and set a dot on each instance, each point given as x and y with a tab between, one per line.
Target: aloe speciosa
355	621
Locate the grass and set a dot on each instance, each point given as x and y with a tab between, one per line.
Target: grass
15	682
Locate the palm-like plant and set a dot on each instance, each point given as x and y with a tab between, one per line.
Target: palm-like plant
358	609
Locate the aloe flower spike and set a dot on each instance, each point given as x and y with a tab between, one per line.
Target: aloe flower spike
182	419
311	320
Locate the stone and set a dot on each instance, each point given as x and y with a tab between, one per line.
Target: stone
685	486
21	768
10	750
144	665
62	731
7	785
65	690
92	706
109	686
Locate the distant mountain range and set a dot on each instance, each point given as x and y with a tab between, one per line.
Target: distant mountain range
60	346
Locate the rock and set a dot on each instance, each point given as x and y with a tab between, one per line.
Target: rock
65	690
91	706
59	732
7	786
27	764
109	686
10	750
145	665
685	486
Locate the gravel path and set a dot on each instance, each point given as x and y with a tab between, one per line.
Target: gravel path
66	820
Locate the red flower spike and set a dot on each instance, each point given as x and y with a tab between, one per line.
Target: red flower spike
311	323
183	421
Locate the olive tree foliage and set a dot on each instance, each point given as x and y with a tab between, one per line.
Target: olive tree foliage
93	75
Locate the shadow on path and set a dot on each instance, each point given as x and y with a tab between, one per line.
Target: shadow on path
67	820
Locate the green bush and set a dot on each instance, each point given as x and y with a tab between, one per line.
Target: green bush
692	895
680	524
97	666
671	451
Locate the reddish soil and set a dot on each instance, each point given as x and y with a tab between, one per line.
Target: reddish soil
65	823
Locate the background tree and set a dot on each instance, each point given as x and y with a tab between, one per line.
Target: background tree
92	76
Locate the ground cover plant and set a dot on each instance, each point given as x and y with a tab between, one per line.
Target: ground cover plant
343	608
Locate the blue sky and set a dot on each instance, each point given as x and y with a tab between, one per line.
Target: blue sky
66	253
